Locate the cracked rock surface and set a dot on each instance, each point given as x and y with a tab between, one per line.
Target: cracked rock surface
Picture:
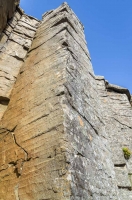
15	42
7	8
117	115
61	125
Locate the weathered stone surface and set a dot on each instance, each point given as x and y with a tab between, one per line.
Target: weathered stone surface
62	128
13	50
117	113
7	9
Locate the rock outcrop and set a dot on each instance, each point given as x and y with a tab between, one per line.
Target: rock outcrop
62	128
7	9
16	40
117	115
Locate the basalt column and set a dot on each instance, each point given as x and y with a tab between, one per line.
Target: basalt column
53	142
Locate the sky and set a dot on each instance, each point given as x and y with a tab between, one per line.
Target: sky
108	32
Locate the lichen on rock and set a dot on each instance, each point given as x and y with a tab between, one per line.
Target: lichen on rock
127	152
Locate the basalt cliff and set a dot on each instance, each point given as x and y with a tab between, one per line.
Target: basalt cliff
65	133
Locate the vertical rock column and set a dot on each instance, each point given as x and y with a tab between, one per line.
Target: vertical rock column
117	113
32	145
53	143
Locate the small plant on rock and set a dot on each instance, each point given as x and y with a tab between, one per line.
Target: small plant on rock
127	153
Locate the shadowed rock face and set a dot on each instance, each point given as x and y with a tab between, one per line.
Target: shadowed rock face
7	8
62	129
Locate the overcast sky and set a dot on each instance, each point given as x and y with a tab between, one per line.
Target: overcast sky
108	31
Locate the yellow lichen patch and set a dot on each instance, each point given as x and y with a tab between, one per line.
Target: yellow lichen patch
80	121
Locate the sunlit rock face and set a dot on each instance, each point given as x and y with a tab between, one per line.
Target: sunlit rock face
7	8
15	41
62	129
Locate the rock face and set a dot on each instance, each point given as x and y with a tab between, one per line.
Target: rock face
117	112
7	8
62	128
16	39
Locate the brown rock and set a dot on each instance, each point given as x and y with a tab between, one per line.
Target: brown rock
7	9
14	46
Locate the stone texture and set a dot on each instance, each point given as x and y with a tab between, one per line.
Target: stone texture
14	45
7	8
62	128
117	113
